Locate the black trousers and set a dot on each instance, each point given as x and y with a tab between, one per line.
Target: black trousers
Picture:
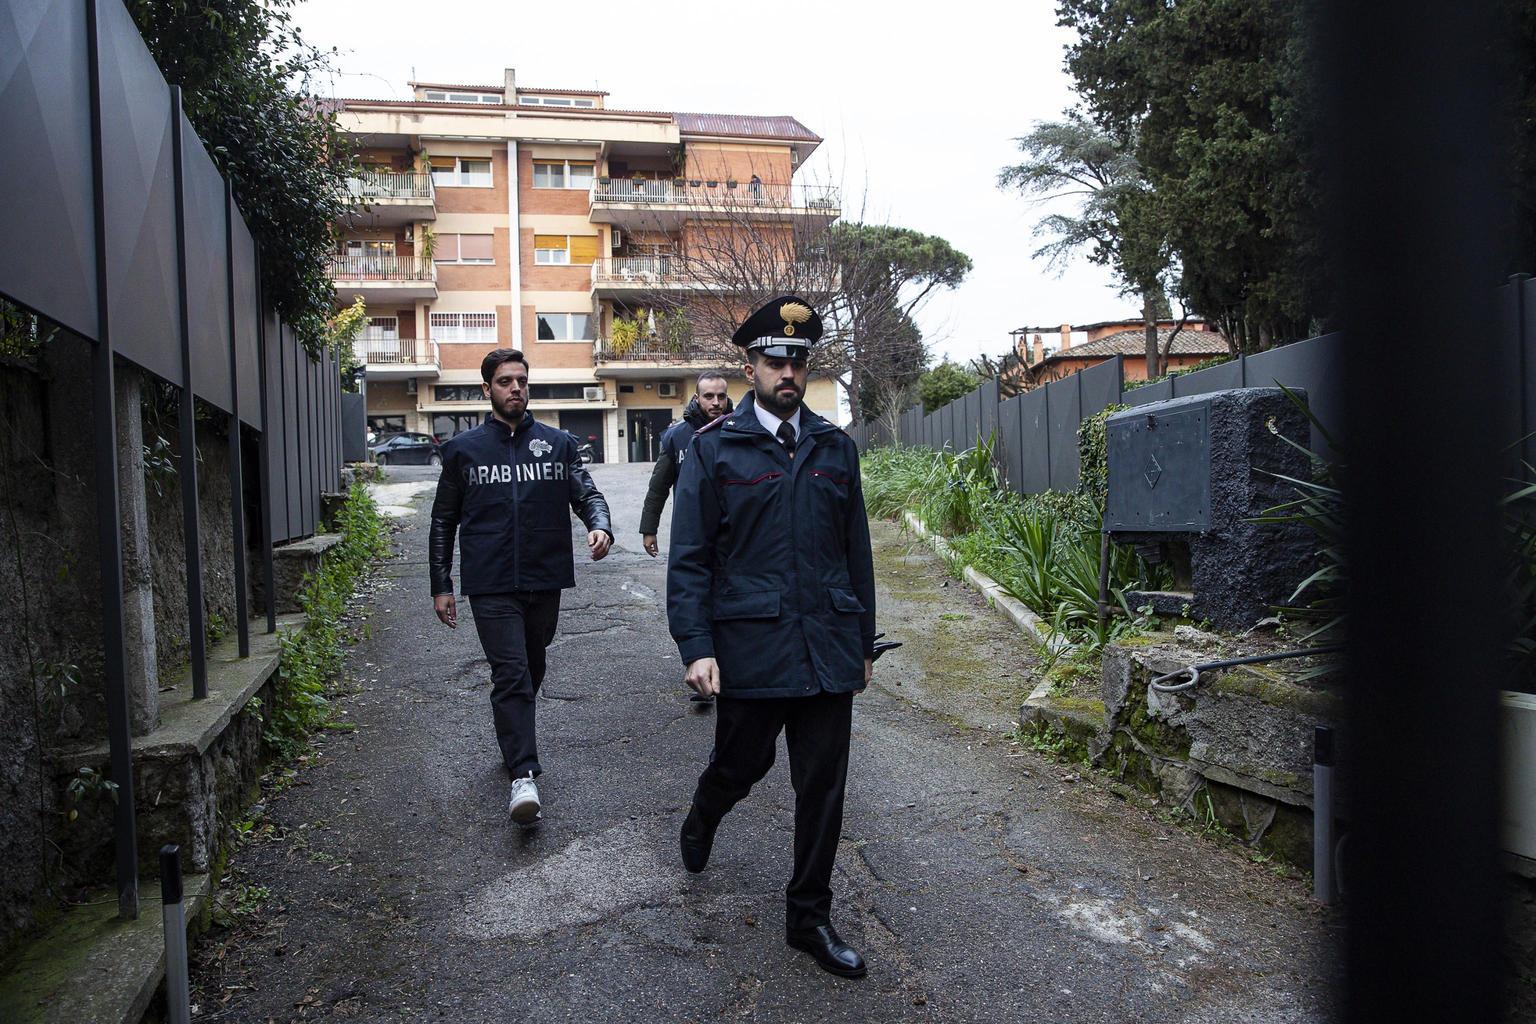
816	730
514	630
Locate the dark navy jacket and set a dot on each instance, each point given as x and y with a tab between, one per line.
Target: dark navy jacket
674	449
509	496
770	571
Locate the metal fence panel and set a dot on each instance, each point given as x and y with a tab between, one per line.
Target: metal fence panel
275	432
294	438
46	162
247	314
1065	404
207	267
354	428
1525	338
1159	392
1315	365
1034	446
1100	386
1010	439
138	167
1213	378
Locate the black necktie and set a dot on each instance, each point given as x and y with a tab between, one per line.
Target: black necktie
787	437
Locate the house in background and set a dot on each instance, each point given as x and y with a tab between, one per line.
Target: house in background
546	220
1051	353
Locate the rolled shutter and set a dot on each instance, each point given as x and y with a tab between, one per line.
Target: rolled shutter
446	248
549	241
475	247
583	249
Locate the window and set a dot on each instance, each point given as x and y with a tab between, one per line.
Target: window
463	249
554	101
563	174
479	328
382	328
557	391
551	250
383	426
458	393
561	250
461	171
437	96
447	424
564	327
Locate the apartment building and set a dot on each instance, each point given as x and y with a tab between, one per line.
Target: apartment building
543	219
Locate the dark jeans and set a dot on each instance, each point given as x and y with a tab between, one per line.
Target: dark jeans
514	630
816	730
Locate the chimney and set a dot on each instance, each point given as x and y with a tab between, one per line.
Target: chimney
1066	337
510	80
1038	354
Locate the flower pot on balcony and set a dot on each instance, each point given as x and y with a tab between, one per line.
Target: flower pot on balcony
730	184
603	180
694	182
677	183
712	184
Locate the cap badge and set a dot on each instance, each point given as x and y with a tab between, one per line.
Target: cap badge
793	313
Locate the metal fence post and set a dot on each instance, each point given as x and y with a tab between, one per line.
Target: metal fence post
236	450
173	913
187	465
264	453
109	538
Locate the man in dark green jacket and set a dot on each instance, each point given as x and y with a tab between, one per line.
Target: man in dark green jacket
771	599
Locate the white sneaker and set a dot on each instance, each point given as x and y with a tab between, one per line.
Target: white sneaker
523	805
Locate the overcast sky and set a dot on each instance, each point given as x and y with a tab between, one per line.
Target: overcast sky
918	105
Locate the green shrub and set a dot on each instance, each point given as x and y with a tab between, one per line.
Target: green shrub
1093	455
312	655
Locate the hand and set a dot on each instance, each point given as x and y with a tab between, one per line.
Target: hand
447	610
598	541
648	541
869	671
704	676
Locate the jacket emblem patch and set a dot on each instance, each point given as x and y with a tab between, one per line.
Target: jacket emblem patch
540	447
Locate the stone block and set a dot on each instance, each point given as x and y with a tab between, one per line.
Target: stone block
291	564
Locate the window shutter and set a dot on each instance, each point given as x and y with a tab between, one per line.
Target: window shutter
446	249
442	163
583	249
549	241
475	247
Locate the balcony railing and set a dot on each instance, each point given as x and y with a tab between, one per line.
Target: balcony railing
657	350
643	271
715	194
671	272
375	186
380	267
376	347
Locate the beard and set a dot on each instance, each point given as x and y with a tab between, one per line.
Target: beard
781	404
510	408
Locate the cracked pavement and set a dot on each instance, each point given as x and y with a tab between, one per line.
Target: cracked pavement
983	881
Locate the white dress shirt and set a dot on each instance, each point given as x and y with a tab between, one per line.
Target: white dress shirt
771	422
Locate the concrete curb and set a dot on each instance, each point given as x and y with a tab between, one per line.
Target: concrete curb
989	588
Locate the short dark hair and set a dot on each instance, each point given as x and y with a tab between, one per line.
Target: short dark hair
709	375
496	356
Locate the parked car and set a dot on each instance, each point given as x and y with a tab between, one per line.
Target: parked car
407	449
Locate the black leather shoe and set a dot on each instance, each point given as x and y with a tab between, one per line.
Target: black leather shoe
831	953
696	840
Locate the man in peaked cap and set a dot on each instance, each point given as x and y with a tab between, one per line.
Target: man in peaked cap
771	599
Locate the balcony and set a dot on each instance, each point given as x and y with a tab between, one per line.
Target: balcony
644	358
386	356
383	278
393	198
664	205
637	276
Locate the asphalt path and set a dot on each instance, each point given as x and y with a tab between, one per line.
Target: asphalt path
983	881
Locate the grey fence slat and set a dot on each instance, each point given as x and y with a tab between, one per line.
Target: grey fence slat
277	492
1100	386
138	167
1212	378
294	440
1147	393
207	291
46	162
1010	439
247	314
1525	338
1035	455
1065	414
1316	366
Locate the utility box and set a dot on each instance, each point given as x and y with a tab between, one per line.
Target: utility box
1188	476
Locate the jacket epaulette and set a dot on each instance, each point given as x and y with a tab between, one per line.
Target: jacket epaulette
713	424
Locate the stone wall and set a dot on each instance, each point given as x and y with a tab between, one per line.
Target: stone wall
50	597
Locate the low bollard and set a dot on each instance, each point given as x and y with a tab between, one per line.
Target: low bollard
177	996
1323	888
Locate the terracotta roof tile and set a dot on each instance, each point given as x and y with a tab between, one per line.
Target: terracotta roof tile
1134	343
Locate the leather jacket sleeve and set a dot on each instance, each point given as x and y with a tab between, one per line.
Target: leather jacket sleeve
663	476
445	524
587	501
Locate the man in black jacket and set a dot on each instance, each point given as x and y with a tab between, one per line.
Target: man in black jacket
505	489
771	599
709	402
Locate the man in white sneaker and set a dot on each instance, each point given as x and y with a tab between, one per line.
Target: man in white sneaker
504	490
